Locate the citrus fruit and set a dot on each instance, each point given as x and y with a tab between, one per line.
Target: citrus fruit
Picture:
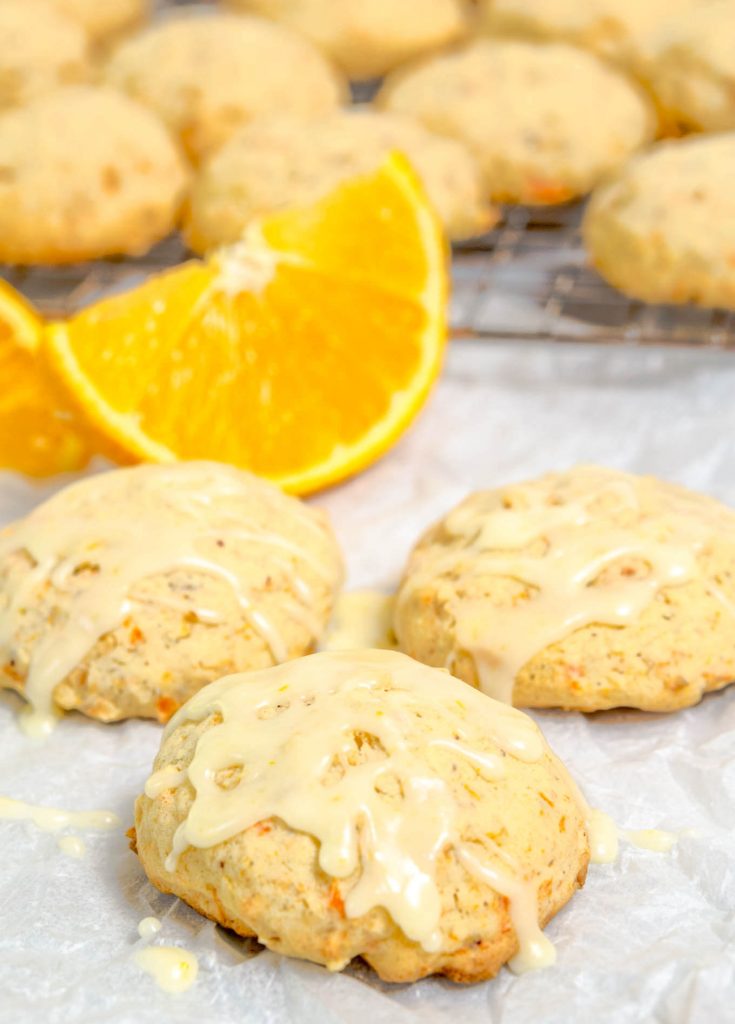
300	353
38	435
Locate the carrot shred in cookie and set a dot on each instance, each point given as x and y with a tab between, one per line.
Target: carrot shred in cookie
335	899
165	707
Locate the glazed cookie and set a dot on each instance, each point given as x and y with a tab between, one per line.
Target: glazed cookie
357	803
531	114
368	39
125	593
105	20
617	30
662	229
41	50
691	72
206	76
279	161
85	173
584	590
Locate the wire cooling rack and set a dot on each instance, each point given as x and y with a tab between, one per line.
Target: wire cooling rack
530	279
527	279
60	291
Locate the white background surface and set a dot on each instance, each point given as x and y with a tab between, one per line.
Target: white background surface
651	938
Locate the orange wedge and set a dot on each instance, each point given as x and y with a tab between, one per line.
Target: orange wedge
301	353
38	435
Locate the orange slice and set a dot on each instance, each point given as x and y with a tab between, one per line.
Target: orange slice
301	353
38	435
19	322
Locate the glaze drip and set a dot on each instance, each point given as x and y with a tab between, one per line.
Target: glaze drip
53	819
173	969
361	619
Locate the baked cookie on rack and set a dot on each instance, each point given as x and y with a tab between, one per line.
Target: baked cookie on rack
530	113
367	39
585	590
207	75
276	162
40	50
617	30
106	20
661	230
357	803
126	592
85	172
691	68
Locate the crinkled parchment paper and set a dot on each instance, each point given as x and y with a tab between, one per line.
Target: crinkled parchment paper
651	938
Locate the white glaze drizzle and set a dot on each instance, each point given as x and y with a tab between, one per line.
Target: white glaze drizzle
361	619
655	840
133	524
556	549
165	778
173	969
605	835
535	950
148	927
72	846
54	819
282	729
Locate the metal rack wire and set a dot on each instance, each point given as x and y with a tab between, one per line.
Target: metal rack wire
61	291
528	280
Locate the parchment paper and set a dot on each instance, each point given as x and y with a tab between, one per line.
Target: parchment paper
651	938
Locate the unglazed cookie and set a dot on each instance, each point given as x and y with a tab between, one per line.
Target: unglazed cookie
662	229
367	38
584	590
84	173
356	803
125	593
530	112
40	50
105	20
280	161
615	29
207	76
691	72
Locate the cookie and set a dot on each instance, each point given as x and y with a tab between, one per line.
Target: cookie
207	76
276	162
369	39
41	50
662	229
617	30
106	20
84	173
127	592
691	71
360	804
585	590
529	112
